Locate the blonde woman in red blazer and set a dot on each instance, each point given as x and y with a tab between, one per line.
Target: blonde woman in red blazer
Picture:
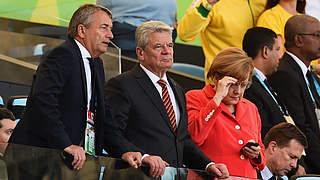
221	122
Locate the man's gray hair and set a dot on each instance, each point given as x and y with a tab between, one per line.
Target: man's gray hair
83	16
145	29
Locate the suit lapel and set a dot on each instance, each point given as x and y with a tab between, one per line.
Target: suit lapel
179	98
153	94
82	70
301	78
268	97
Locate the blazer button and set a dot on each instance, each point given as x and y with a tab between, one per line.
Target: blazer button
237	127
240	141
241	156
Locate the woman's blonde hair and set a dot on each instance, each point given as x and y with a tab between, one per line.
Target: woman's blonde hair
232	62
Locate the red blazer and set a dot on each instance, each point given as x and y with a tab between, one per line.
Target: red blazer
220	135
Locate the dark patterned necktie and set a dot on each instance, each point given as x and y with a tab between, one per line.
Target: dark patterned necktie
92	63
167	103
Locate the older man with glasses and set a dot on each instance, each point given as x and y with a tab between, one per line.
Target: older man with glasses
294	82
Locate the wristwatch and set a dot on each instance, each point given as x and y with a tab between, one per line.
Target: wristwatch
206	5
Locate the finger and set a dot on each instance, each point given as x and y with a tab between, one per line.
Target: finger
157	168
138	160
131	162
77	165
224	172
232	79
218	172
75	159
249	150
253	151
83	159
152	167
165	163
162	170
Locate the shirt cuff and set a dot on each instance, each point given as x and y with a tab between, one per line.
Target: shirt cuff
209	165
145	155
203	11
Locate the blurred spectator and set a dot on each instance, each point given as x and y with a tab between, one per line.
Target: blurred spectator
7	124
313	8
221	122
278	12
264	47
284	146
128	15
294	85
221	24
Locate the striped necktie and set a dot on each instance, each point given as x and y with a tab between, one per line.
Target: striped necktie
168	105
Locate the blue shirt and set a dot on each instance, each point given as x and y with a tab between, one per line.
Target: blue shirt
136	12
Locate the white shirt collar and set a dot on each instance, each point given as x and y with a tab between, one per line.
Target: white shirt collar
302	66
84	52
266	173
260	74
154	78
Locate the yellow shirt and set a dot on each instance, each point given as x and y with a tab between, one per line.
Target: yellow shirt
224	26
274	19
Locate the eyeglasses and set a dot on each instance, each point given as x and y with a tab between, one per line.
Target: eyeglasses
317	34
243	85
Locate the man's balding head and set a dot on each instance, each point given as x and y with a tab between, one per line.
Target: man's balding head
296	25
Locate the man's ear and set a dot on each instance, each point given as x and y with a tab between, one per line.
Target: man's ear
265	52
298	40
272	147
139	52
81	29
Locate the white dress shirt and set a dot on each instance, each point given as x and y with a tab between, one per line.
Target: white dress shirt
260	74
85	54
267	174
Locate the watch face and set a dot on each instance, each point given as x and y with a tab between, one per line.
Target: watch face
207	5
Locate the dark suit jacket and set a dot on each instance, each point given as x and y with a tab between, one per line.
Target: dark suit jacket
57	104
269	111
140	121
291	87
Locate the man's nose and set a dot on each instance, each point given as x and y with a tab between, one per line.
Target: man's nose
165	49
109	34
294	163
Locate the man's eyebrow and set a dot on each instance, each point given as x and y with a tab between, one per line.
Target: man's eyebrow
104	24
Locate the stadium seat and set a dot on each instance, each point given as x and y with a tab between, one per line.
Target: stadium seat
1	102
189	69
17	105
306	177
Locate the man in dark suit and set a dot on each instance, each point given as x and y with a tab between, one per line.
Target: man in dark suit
263	46
302	36
284	145
66	108
150	121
